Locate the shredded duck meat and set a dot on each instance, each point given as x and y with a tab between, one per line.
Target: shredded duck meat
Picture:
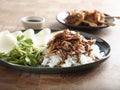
69	43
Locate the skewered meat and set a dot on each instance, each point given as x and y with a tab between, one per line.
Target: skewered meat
91	18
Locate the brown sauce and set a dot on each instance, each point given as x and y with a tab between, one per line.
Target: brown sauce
34	20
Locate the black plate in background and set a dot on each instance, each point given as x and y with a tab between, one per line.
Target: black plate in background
61	18
104	47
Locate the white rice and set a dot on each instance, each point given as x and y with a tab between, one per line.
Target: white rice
54	60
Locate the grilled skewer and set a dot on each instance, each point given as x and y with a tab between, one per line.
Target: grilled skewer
92	18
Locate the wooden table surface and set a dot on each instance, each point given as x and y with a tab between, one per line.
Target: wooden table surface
104	77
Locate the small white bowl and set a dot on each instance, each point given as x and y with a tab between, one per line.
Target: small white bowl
33	22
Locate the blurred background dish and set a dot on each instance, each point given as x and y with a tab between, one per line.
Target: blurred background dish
61	18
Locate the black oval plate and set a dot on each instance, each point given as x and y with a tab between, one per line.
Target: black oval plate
61	18
104	47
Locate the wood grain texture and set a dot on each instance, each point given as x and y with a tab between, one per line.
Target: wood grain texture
104	77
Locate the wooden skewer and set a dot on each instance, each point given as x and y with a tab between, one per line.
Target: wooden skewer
90	23
95	25
118	17
109	23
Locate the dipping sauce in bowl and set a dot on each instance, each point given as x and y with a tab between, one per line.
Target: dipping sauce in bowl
33	22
